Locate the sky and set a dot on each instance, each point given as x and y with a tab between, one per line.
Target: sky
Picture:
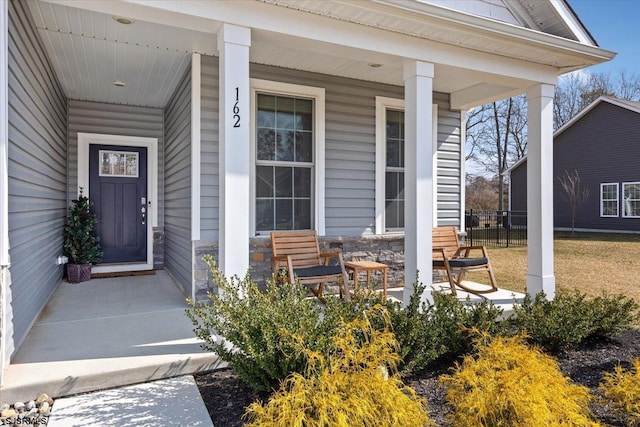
614	24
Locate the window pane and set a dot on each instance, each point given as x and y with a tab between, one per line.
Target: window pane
304	114
393	124
401	185
391	185
264	181
284	183
285	109
632	208
266	144
266	111
284	151
302	182
609	208
284	214
304	146
391	214
632	191
264	215
393	153
302	214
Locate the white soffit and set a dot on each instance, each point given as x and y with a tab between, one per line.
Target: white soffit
89	51
556	46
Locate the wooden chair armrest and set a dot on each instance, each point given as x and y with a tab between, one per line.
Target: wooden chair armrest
468	249
440	251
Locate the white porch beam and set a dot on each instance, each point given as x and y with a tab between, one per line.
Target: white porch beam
418	175
234	146
540	276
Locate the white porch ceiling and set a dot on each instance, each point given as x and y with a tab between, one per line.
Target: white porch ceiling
89	50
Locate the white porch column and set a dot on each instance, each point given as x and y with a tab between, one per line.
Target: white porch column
5	296
418	175
234	152
540	277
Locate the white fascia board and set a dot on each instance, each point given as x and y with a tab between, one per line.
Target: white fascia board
569	18
206	16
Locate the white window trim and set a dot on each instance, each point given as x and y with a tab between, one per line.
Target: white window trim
624	215
602	215
382	104
318	96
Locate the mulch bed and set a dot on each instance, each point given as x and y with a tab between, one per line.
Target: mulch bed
226	397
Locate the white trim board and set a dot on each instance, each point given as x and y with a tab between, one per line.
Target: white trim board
84	140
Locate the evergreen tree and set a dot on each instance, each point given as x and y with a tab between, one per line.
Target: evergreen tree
80	243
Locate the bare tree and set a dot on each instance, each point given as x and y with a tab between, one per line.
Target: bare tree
574	194
496	138
576	91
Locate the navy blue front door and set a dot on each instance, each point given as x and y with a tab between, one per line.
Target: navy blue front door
118	191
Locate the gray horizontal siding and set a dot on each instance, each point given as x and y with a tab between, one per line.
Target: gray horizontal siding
449	179
114	119
37	175
602	147
209	187
177	182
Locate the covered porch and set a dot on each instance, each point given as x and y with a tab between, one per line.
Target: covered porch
192	71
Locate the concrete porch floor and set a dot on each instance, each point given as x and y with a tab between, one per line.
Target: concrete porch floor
106	333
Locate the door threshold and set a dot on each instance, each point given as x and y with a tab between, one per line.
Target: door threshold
118	268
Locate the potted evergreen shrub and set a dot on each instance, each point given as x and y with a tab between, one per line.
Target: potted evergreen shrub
80	244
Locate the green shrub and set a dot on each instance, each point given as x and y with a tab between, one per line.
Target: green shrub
349	386
451	325
611	314
424	331
509	384
570	318
258	327
622	388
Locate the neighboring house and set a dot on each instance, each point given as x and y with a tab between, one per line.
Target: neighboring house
199	126
602	144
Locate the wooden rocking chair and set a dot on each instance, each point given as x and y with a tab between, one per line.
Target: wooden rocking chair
455	260
299	252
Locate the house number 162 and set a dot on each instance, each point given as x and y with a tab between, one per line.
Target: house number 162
236	111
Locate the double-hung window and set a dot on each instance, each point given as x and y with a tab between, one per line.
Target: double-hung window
609	199
285	157
631	199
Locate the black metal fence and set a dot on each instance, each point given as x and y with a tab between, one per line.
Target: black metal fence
496	228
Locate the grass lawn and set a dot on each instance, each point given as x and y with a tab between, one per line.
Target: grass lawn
589	262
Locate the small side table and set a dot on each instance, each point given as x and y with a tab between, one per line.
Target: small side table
358	267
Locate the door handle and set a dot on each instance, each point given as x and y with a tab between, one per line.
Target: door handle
143	212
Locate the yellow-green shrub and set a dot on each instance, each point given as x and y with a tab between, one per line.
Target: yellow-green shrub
351	386
508	383
623	389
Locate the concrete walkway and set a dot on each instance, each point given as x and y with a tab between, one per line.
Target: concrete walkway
106	333
170	402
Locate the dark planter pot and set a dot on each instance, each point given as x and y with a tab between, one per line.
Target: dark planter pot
77	273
